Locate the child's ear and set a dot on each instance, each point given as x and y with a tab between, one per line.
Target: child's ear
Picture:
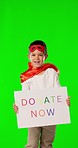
46	56
28	56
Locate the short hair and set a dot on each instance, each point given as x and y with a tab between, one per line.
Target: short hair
39	42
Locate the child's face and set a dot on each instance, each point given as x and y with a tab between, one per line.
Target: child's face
37	58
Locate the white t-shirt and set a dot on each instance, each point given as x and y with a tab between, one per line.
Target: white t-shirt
48	79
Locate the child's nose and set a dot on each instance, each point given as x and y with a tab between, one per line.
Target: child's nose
37	57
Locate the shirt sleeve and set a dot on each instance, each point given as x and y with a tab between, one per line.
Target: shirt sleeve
56	80
25	86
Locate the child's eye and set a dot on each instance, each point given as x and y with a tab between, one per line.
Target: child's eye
33	54
40	55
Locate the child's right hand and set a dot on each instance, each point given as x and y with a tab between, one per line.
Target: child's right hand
15	107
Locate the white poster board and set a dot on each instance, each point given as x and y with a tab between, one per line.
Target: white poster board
42	107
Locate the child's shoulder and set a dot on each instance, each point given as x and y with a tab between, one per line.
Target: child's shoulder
51	67
24	75
51	71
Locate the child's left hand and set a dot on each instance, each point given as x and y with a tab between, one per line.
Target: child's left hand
68	101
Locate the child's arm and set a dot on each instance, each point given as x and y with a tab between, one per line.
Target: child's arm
57	84
25	86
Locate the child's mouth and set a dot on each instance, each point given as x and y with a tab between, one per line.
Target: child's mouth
36	62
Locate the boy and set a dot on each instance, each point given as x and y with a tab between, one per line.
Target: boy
39	76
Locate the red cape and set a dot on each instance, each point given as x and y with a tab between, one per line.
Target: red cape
35	71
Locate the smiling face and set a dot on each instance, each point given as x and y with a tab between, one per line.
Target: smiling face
37	58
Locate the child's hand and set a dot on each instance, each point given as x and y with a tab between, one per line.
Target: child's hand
68	101
15	107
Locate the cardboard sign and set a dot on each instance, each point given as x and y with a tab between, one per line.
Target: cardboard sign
42	107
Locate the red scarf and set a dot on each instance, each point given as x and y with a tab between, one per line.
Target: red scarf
35	71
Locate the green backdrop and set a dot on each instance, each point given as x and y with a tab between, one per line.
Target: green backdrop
21	22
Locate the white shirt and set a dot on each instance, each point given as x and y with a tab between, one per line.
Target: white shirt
48	79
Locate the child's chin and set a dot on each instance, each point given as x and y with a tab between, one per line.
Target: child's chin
37	65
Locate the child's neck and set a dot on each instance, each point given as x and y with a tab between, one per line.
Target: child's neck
37	67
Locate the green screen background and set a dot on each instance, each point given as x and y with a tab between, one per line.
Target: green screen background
56	23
